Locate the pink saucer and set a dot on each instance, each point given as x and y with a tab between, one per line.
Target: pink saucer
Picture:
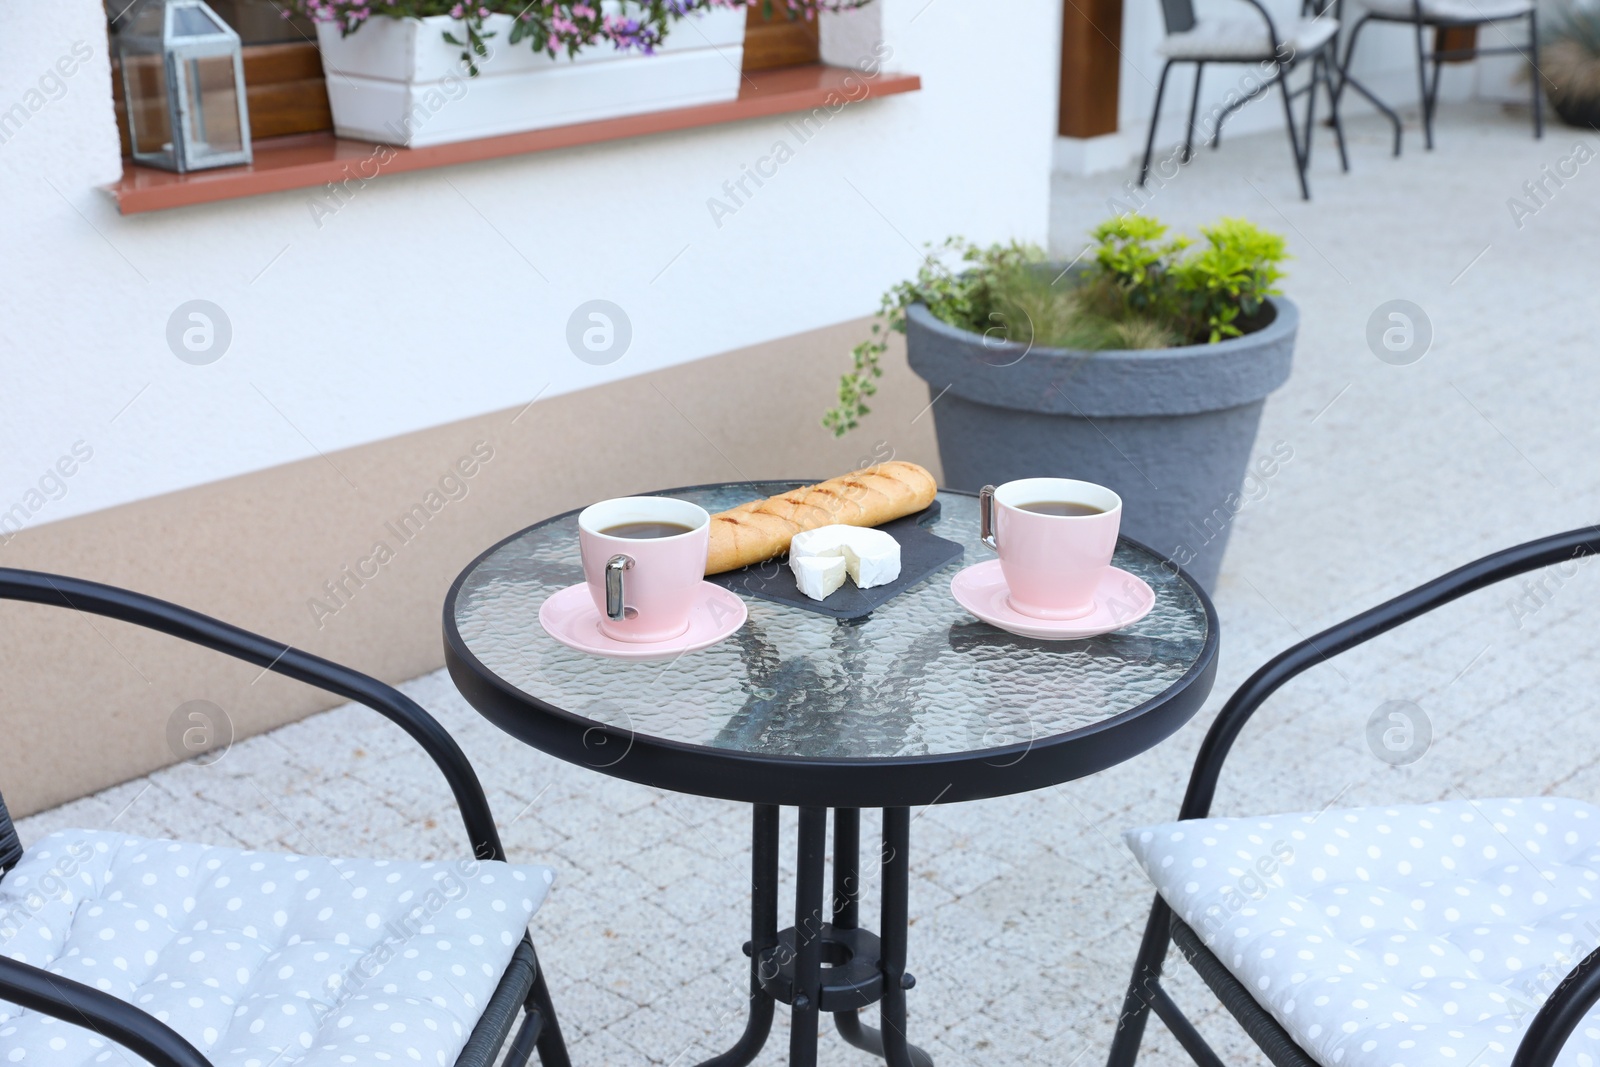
1120	600
572	619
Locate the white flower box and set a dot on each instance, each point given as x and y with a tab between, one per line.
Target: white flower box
398	82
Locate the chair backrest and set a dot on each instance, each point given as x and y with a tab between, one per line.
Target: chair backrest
1555	550
1178	15
58	590
10	847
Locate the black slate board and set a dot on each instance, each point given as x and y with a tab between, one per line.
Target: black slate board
921	553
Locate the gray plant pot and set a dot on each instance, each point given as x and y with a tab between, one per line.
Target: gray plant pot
1171	429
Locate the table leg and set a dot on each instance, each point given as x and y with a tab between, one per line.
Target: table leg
847	914
763	936
788	966
892	933
846	868
804	1013
893	927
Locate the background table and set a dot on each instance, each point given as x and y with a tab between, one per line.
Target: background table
919	703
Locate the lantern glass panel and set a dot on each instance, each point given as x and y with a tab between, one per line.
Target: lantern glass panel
147	102
194	22
212	109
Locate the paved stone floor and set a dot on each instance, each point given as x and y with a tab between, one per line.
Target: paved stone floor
1027	909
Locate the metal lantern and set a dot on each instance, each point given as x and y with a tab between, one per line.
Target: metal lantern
183	83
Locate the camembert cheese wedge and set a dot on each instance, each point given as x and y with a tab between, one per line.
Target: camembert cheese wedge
870	558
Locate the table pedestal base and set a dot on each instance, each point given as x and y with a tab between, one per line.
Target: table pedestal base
852	975
834	967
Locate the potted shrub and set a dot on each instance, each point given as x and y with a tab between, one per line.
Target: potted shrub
423	72
1145	370
1569	61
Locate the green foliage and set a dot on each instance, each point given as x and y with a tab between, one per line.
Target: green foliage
1129	257
1199	296
1142	289
1231	276
1044	308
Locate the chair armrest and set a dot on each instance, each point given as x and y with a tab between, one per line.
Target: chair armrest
1272	29
117	1020
1559	1015
1507	563
57	590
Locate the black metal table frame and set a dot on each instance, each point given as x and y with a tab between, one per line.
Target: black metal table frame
836	967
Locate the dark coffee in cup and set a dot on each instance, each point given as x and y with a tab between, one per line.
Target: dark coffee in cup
644	560
639	531
1066	508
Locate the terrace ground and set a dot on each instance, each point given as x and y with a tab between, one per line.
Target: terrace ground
1027	910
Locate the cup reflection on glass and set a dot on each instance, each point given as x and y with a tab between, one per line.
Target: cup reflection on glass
644	558
1055	538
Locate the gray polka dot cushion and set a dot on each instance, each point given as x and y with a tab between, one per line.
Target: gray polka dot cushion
1395	937
259	958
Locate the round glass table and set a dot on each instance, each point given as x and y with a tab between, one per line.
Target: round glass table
915	704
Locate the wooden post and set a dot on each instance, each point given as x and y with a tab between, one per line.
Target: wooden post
780	41
1091	42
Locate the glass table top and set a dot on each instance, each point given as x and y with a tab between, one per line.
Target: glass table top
918	677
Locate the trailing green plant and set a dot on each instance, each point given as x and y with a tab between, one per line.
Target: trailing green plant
1142	289
962	298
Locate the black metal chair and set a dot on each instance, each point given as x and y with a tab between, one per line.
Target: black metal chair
1314	36
1423	15
521	988
1568	1001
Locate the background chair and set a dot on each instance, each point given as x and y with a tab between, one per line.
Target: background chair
289	956
1434	893
1422	15
1251	37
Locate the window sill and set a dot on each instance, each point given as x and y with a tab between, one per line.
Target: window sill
313	159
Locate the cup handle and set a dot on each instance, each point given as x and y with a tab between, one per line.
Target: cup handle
986	517
614	568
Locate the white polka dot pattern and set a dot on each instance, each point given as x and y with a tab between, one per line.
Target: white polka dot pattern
1395	937
259	958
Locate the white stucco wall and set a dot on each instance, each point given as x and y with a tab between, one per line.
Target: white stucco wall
435	296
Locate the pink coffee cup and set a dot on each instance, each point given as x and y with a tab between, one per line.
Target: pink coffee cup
1052	563
643	587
